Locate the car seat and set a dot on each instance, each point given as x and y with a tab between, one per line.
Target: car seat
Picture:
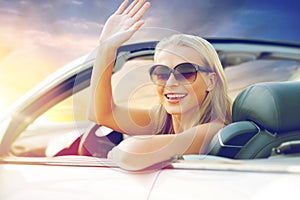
264	116
98	140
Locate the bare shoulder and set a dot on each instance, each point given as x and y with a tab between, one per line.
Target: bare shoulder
217	124
206	132
212	126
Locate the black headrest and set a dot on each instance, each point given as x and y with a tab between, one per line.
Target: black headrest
273	106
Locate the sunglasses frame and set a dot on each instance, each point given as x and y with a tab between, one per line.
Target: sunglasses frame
173	71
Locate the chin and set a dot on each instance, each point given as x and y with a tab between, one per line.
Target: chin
174	110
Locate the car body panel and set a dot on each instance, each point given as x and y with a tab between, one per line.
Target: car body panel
209	184
57	182
92	178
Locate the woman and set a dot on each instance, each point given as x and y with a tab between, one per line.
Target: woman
191	88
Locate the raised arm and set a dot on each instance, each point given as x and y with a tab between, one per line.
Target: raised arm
119	28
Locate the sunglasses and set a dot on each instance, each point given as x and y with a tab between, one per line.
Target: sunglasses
184	73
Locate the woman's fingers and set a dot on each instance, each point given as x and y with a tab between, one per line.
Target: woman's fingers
135	11
136	8
122	7
140	13
134	21
131	6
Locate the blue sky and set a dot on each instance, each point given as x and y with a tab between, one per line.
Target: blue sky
39	36
267	19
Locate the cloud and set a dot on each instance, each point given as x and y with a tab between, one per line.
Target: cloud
77	2
32	49
9	12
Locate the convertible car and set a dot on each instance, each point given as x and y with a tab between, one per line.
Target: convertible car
49	149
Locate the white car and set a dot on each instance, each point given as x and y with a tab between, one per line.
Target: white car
49	150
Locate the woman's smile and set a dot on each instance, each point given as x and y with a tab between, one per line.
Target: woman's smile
174	97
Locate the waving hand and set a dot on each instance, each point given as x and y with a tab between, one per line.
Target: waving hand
122	24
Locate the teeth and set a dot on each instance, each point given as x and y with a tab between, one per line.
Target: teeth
175	96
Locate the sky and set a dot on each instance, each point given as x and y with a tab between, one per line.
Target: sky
38	37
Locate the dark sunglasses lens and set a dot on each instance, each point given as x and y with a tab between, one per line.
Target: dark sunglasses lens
186	73
160	74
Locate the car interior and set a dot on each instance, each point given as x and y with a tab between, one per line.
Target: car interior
264	116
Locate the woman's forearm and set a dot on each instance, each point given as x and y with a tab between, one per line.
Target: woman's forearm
142	152
101	100
137	153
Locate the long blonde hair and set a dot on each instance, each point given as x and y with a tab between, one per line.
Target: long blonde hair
217	104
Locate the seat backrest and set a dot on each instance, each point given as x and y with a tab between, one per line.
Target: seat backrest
264	116
98	140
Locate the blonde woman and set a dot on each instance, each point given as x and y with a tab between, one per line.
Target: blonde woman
191	87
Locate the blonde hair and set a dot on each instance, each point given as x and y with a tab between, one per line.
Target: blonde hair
217	104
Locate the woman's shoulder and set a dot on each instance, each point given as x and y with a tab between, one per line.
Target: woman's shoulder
212	126
218	121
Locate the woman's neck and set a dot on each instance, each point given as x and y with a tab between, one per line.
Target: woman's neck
185	121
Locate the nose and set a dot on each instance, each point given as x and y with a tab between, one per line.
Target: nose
172	81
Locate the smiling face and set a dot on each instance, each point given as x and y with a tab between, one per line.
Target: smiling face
178	98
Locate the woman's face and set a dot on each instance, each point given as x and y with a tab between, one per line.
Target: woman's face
178	98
